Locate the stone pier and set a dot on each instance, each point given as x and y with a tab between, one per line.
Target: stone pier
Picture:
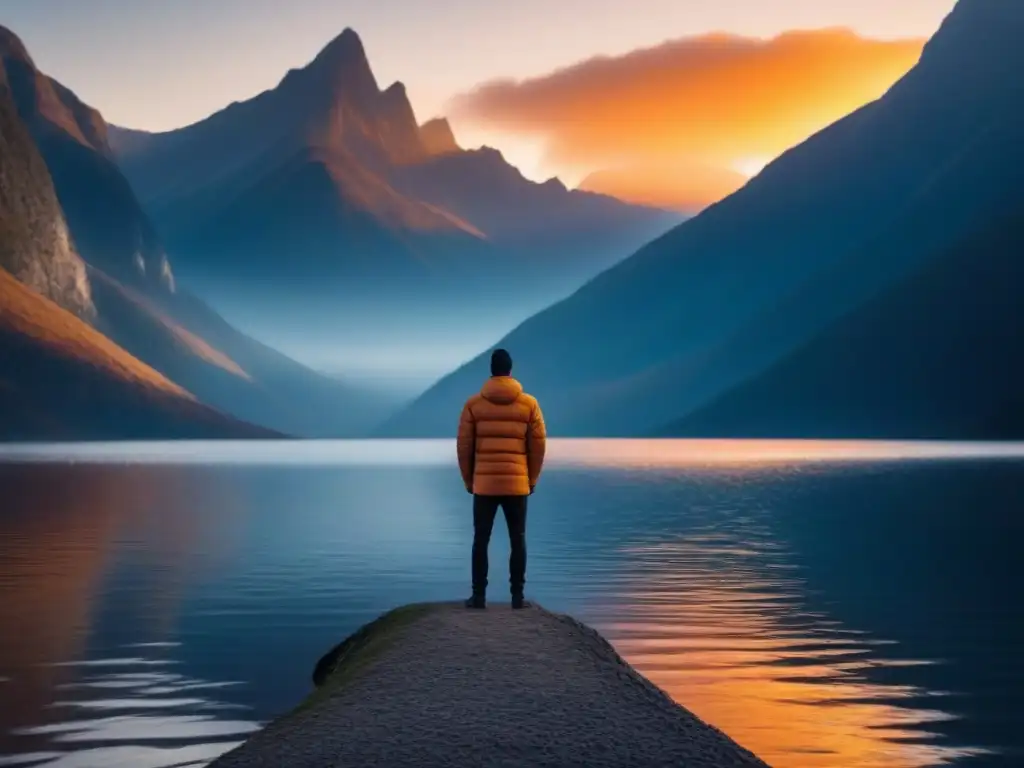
438	685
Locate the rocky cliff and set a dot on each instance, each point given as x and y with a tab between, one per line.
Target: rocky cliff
35	245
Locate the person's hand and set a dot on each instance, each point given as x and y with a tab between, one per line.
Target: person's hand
469	489
532	489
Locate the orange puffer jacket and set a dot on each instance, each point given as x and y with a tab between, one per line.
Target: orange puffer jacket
501	440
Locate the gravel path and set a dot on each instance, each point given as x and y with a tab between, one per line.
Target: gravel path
499	687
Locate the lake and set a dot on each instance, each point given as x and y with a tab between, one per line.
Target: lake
825	604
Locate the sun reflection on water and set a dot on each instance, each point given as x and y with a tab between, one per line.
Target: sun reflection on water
717	621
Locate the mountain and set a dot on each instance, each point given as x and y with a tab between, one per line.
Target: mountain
933	357
298	168
59	377
825	227
438	138
35	245
128	292
324	198
191	344
110	228
482	188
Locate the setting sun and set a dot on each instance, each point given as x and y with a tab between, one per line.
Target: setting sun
751	166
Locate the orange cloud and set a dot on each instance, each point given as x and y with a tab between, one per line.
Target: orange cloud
716	100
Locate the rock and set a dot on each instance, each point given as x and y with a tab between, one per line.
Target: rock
35	245
437	685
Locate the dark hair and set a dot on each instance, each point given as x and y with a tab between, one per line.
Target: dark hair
501	363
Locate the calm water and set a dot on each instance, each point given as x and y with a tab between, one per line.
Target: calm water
825	604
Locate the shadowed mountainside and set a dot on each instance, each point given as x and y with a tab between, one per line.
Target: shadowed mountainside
110	229
35	245
60	379
933	357
131	295
194	346
824	228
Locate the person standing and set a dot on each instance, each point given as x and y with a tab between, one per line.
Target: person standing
501	446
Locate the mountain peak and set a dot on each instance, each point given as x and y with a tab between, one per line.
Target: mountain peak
555	183
397	125
11	47
438	138
342	66
345	47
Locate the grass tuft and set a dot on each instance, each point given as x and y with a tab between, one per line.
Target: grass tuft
350	658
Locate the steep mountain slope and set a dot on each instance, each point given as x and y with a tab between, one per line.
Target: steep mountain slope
824	227
194	346
110	230
327	127
35	246
933	357
137	304
325	194
60	379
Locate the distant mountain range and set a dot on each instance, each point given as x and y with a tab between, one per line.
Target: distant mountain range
93	317
323	195
763	314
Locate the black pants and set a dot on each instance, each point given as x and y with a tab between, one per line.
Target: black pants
485	508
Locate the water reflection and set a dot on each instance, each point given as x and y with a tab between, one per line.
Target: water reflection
55	545
69	538
133	718
827	605
717	619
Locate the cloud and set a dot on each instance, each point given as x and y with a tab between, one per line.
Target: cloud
715	100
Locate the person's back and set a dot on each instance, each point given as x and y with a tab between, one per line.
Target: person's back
501	446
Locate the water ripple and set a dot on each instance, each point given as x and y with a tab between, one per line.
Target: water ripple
151	730
842	605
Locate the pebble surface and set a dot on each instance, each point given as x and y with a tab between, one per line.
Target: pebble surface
499	688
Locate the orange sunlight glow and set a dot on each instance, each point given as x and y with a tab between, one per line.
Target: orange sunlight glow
718	623
719	100
751	166
686	188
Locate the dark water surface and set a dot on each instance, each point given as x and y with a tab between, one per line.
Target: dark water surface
825	604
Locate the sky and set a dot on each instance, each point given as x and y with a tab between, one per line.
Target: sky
158	65
684	123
